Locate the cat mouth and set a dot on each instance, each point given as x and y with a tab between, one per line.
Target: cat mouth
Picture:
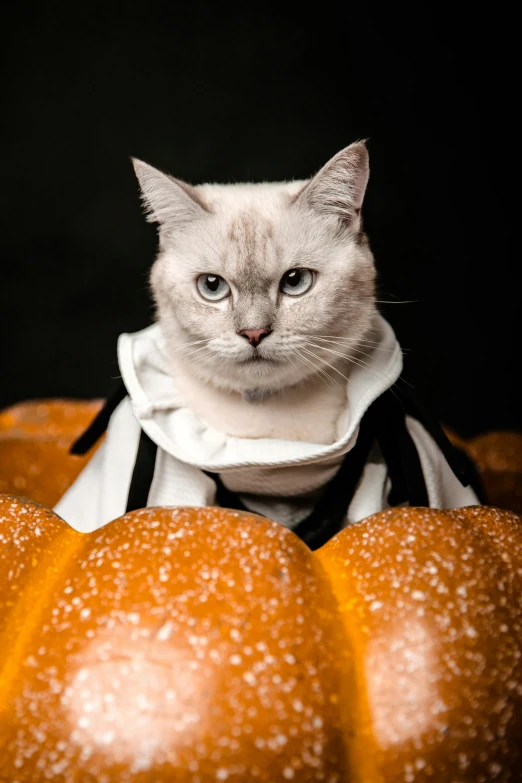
255	359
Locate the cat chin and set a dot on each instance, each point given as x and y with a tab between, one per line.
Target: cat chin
257	387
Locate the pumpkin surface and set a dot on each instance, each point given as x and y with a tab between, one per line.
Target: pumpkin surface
197	645
34	447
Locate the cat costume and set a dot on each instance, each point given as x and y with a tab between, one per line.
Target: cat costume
157	453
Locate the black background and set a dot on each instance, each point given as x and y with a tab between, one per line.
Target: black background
228	94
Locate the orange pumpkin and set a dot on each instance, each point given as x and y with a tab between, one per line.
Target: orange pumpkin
35	438
198	645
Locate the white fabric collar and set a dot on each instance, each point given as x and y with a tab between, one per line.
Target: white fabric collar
184	435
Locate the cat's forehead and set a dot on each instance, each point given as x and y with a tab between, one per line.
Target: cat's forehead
265	196
250	232
249	220
251	252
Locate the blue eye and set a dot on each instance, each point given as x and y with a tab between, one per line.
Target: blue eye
212	287
297	281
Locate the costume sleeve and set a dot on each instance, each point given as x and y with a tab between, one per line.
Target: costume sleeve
100	492
444	488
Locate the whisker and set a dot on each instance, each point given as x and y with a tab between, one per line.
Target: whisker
294	372
337	337
194	342
355	343
211	247
317	370
325	362
353	360
197	350
398	301
351	340
163	348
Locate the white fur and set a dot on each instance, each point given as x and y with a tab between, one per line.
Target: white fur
308	412
251	234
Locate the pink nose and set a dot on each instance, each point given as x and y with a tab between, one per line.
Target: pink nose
254	336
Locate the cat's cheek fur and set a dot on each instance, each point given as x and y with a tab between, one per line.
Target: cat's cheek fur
180	325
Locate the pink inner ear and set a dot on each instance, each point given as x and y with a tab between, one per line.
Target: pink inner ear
339	187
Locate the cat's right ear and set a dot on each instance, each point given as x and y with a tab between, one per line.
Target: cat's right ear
338	188
167	201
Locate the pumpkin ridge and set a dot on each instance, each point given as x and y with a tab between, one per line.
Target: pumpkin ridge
474	621
25	616
361	761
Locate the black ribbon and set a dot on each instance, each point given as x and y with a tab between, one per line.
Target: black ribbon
100	422
142	474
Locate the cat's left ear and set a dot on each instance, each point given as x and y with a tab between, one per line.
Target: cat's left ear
167	201
338	188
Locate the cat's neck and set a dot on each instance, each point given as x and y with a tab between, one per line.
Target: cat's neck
310	411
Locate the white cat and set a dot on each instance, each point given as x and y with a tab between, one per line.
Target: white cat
267	352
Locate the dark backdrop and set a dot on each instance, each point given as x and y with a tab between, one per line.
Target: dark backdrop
224	94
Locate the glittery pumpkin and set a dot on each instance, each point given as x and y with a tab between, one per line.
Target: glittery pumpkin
195	645
34	447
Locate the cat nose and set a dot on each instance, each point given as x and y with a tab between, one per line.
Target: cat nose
254	336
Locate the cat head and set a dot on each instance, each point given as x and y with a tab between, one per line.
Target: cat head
260	286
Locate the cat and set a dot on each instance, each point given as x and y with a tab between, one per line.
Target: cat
268	381
265	295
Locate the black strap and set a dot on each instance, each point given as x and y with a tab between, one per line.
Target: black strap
100	422
398	451
460	463
142	473
415	408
